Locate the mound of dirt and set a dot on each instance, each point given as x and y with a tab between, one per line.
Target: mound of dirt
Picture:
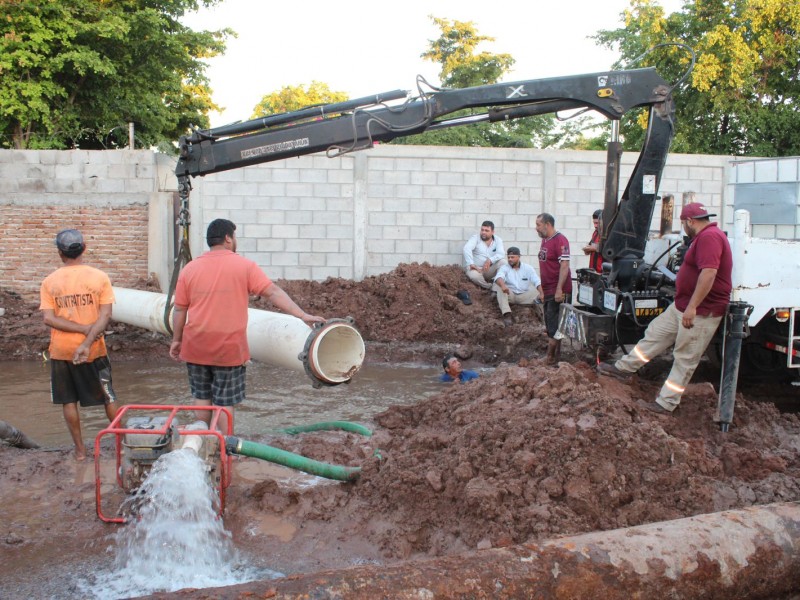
531	452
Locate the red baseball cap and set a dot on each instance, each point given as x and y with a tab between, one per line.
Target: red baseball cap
695	210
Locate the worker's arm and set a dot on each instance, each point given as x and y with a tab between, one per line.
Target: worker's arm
96	329
275	294
62	324
469	247
501	284
563	275
705	282
178	323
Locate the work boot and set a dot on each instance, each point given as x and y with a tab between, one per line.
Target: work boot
611	370
507	320
653	407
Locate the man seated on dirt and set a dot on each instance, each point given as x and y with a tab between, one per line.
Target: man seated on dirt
516	283
483	256
702	294
454	372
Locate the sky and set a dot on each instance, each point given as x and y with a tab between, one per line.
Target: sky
364	47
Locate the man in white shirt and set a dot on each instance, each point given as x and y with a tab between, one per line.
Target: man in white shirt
483	256
516	283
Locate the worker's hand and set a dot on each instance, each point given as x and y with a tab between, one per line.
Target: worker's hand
473	268
589	249
688	317
505	290
311	319
559	296
175	350
82	353
487	265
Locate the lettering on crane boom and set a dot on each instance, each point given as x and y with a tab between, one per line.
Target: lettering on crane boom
273	148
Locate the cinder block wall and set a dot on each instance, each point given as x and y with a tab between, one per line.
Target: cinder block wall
313	217
104	194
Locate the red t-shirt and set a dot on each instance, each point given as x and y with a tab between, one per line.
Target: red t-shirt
551	253
595	259
709	250
215	288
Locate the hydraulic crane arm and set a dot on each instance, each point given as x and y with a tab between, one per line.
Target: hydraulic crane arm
357	124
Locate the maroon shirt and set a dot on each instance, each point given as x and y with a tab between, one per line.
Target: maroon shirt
709	250
550	254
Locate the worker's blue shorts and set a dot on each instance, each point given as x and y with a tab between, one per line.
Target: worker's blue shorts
87	383
224	386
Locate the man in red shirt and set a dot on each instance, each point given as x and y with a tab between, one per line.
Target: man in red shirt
556	279
702	295
592	248
213	292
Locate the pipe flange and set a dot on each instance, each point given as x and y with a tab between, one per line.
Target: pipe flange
316	381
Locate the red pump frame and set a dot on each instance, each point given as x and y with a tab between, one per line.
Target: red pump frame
225	461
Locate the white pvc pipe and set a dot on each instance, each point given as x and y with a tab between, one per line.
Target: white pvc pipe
330	354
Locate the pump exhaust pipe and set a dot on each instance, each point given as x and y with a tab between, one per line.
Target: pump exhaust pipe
329	354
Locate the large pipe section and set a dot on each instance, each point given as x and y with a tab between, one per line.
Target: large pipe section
330	354
749	553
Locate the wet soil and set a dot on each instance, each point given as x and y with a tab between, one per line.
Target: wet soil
524	453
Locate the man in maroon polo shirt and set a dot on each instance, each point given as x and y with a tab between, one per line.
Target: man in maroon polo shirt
556	278
702	294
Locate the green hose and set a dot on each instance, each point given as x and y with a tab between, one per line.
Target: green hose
327	426
234	445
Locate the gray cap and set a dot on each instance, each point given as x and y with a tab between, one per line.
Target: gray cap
513	250
69	240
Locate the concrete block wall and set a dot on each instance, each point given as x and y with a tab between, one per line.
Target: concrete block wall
362	214
104	194
314	217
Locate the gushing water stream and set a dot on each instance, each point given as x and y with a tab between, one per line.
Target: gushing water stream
175	540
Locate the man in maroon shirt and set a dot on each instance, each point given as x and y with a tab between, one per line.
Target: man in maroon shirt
556	279
702	294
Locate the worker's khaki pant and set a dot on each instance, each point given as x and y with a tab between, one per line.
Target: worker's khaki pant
505	300
689	344
484	278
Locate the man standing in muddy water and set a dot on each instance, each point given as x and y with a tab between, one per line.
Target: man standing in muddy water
483	256
76	304
556	279
209	329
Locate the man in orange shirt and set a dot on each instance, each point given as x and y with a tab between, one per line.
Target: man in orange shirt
213	292
76	304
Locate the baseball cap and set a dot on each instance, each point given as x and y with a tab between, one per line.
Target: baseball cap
513	250
69	240
695	210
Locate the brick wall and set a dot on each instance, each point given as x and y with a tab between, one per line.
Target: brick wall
116	242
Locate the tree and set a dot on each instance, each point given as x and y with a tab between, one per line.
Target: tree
455	50
295	97
742	96
74	73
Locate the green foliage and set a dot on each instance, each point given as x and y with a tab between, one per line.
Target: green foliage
455	50
742	97
74	73
295	97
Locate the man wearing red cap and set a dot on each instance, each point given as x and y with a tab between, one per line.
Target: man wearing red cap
702	295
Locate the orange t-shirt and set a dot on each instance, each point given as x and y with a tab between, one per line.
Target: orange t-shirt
75	292
215	288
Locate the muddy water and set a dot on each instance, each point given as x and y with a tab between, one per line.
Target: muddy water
275	397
